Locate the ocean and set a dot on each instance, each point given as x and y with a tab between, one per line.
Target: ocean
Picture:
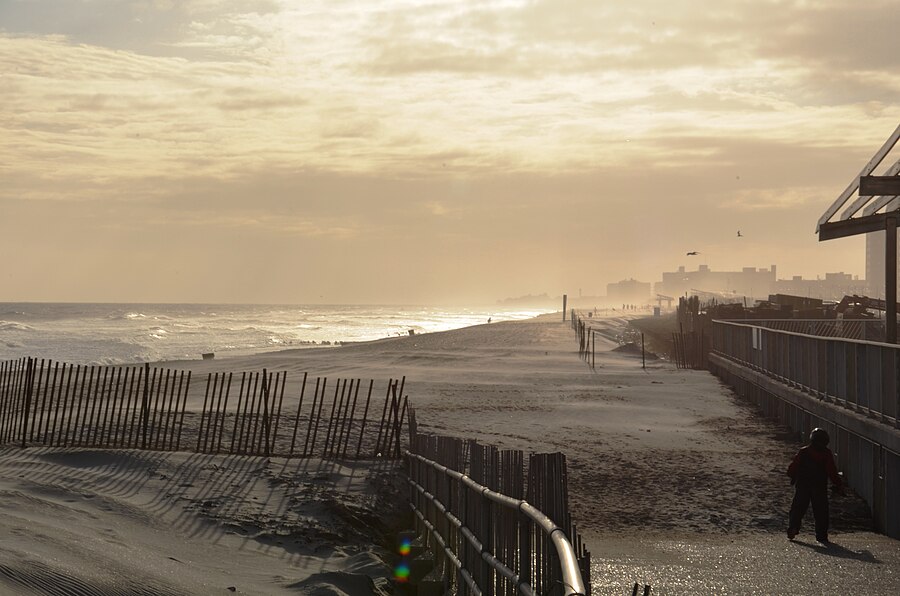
128	333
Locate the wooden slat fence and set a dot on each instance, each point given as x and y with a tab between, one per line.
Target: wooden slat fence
691	350
587	340
143	407
479	535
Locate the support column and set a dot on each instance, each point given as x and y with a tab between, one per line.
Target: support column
890	279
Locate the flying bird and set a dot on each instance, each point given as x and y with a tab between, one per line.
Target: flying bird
693	253
740	235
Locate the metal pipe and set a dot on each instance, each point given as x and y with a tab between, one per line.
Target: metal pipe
573	585
465	576
521	585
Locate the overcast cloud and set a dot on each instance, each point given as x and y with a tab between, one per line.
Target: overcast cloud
427	151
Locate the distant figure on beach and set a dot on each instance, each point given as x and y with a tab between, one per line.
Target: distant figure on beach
809	471
489	319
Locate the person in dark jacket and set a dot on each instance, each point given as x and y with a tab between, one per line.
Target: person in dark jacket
810	471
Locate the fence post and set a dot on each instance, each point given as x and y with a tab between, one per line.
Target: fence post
29	382
643	357
145	412
265	397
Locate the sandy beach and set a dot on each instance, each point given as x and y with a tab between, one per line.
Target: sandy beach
673	482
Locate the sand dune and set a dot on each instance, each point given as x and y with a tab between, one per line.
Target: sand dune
128	522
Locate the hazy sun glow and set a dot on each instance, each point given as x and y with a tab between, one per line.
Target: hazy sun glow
316	149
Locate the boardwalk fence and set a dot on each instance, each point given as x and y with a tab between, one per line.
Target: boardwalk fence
863	329
496	526
143	407
859	375
849	387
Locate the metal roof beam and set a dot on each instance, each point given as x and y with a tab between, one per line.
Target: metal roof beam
854	184
862	200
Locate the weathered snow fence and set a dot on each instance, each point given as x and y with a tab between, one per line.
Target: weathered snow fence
493	532
143	407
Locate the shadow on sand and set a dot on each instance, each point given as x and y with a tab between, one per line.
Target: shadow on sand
836	550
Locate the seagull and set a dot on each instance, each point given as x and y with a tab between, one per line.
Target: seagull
693	253
740	235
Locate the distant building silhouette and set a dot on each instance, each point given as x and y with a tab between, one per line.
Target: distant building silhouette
628	291
749	281
834	287
875	264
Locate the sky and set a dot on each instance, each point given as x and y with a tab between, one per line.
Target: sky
431	151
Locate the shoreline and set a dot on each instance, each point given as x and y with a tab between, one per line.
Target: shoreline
337	345
127	335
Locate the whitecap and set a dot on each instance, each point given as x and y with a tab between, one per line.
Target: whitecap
12	326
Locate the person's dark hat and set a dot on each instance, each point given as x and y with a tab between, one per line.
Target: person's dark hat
819	437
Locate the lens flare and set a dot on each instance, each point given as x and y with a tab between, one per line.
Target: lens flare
401	572
405	546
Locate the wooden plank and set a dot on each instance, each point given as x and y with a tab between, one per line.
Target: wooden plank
79	419
106	429
337	386
866	201
187	387
879	186
212	421
37	395
127	388
265	431
171	403
132	427
387	397
280	403
350	421
5	375
29	390
88	424
252	382
311	416
218	442
145	403
209	383
161	388
853	227
255	408
362	427
50	409
297	417
67	418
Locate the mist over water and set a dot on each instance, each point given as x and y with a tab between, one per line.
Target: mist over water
124	333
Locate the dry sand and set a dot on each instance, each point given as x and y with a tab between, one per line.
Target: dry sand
673	482
82	522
